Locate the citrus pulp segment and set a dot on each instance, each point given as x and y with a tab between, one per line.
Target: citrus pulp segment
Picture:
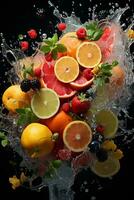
66	69
107	168
109	121
88	54
77	135
45	103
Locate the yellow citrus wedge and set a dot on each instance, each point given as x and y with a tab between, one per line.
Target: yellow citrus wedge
66	69
106	169
109	121
88	54
77	135
45	103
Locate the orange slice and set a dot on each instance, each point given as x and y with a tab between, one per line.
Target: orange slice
88	54
66	69
77	135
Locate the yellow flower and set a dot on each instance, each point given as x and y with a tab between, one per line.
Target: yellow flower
130	33
15	182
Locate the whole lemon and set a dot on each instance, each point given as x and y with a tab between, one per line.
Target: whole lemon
13	98
37	140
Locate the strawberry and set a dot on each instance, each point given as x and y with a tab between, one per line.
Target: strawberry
106	34
88	74
24	45
37	72
61	26
81	33
32	33
80	104
66	107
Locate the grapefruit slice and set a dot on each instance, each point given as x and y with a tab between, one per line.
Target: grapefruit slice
88	54
81	82
66	69
49	80
77	135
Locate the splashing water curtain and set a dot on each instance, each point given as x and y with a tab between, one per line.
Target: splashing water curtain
99	128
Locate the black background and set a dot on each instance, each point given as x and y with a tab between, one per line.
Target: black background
17	18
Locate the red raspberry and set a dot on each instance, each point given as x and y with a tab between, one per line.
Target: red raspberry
64	154
48	57
100	129
61	26
87	73
24	45
66	107
81	33
32	34
37	72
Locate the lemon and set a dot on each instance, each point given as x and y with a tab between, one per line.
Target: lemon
107	168
109	121
45	103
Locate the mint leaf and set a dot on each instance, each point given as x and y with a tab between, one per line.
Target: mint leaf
94	32
54	53
2	135
4	142
48	42
61	48
27	71
45	49
56	163
114	63
26	116
55	38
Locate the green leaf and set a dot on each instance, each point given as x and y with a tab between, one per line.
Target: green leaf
97	34
4	142
20	37
55	38
2	135
20	111
61	48
90	32
48	42
54	53
114	63
56	163
45	49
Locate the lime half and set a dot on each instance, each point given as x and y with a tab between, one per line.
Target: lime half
106	169
109	121
45	103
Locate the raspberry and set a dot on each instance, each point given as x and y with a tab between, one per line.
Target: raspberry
48	57
64	154
87	73
25	85
24	45
32	34
100	129
37	72
35	84
66	107
81	33
61	26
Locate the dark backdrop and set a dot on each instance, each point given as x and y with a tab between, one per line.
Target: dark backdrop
17	18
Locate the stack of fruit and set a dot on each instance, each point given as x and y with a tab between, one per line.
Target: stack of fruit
55	98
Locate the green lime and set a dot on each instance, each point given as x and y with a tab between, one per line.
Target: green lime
107	168
45	103
109	121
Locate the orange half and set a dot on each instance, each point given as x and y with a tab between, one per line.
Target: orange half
66	69
77	135
88	54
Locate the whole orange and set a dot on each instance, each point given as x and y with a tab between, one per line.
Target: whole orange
71	42
118	76
58	122
37	140
13	98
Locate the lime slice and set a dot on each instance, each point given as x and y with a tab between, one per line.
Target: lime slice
107	168
45	103
109	121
